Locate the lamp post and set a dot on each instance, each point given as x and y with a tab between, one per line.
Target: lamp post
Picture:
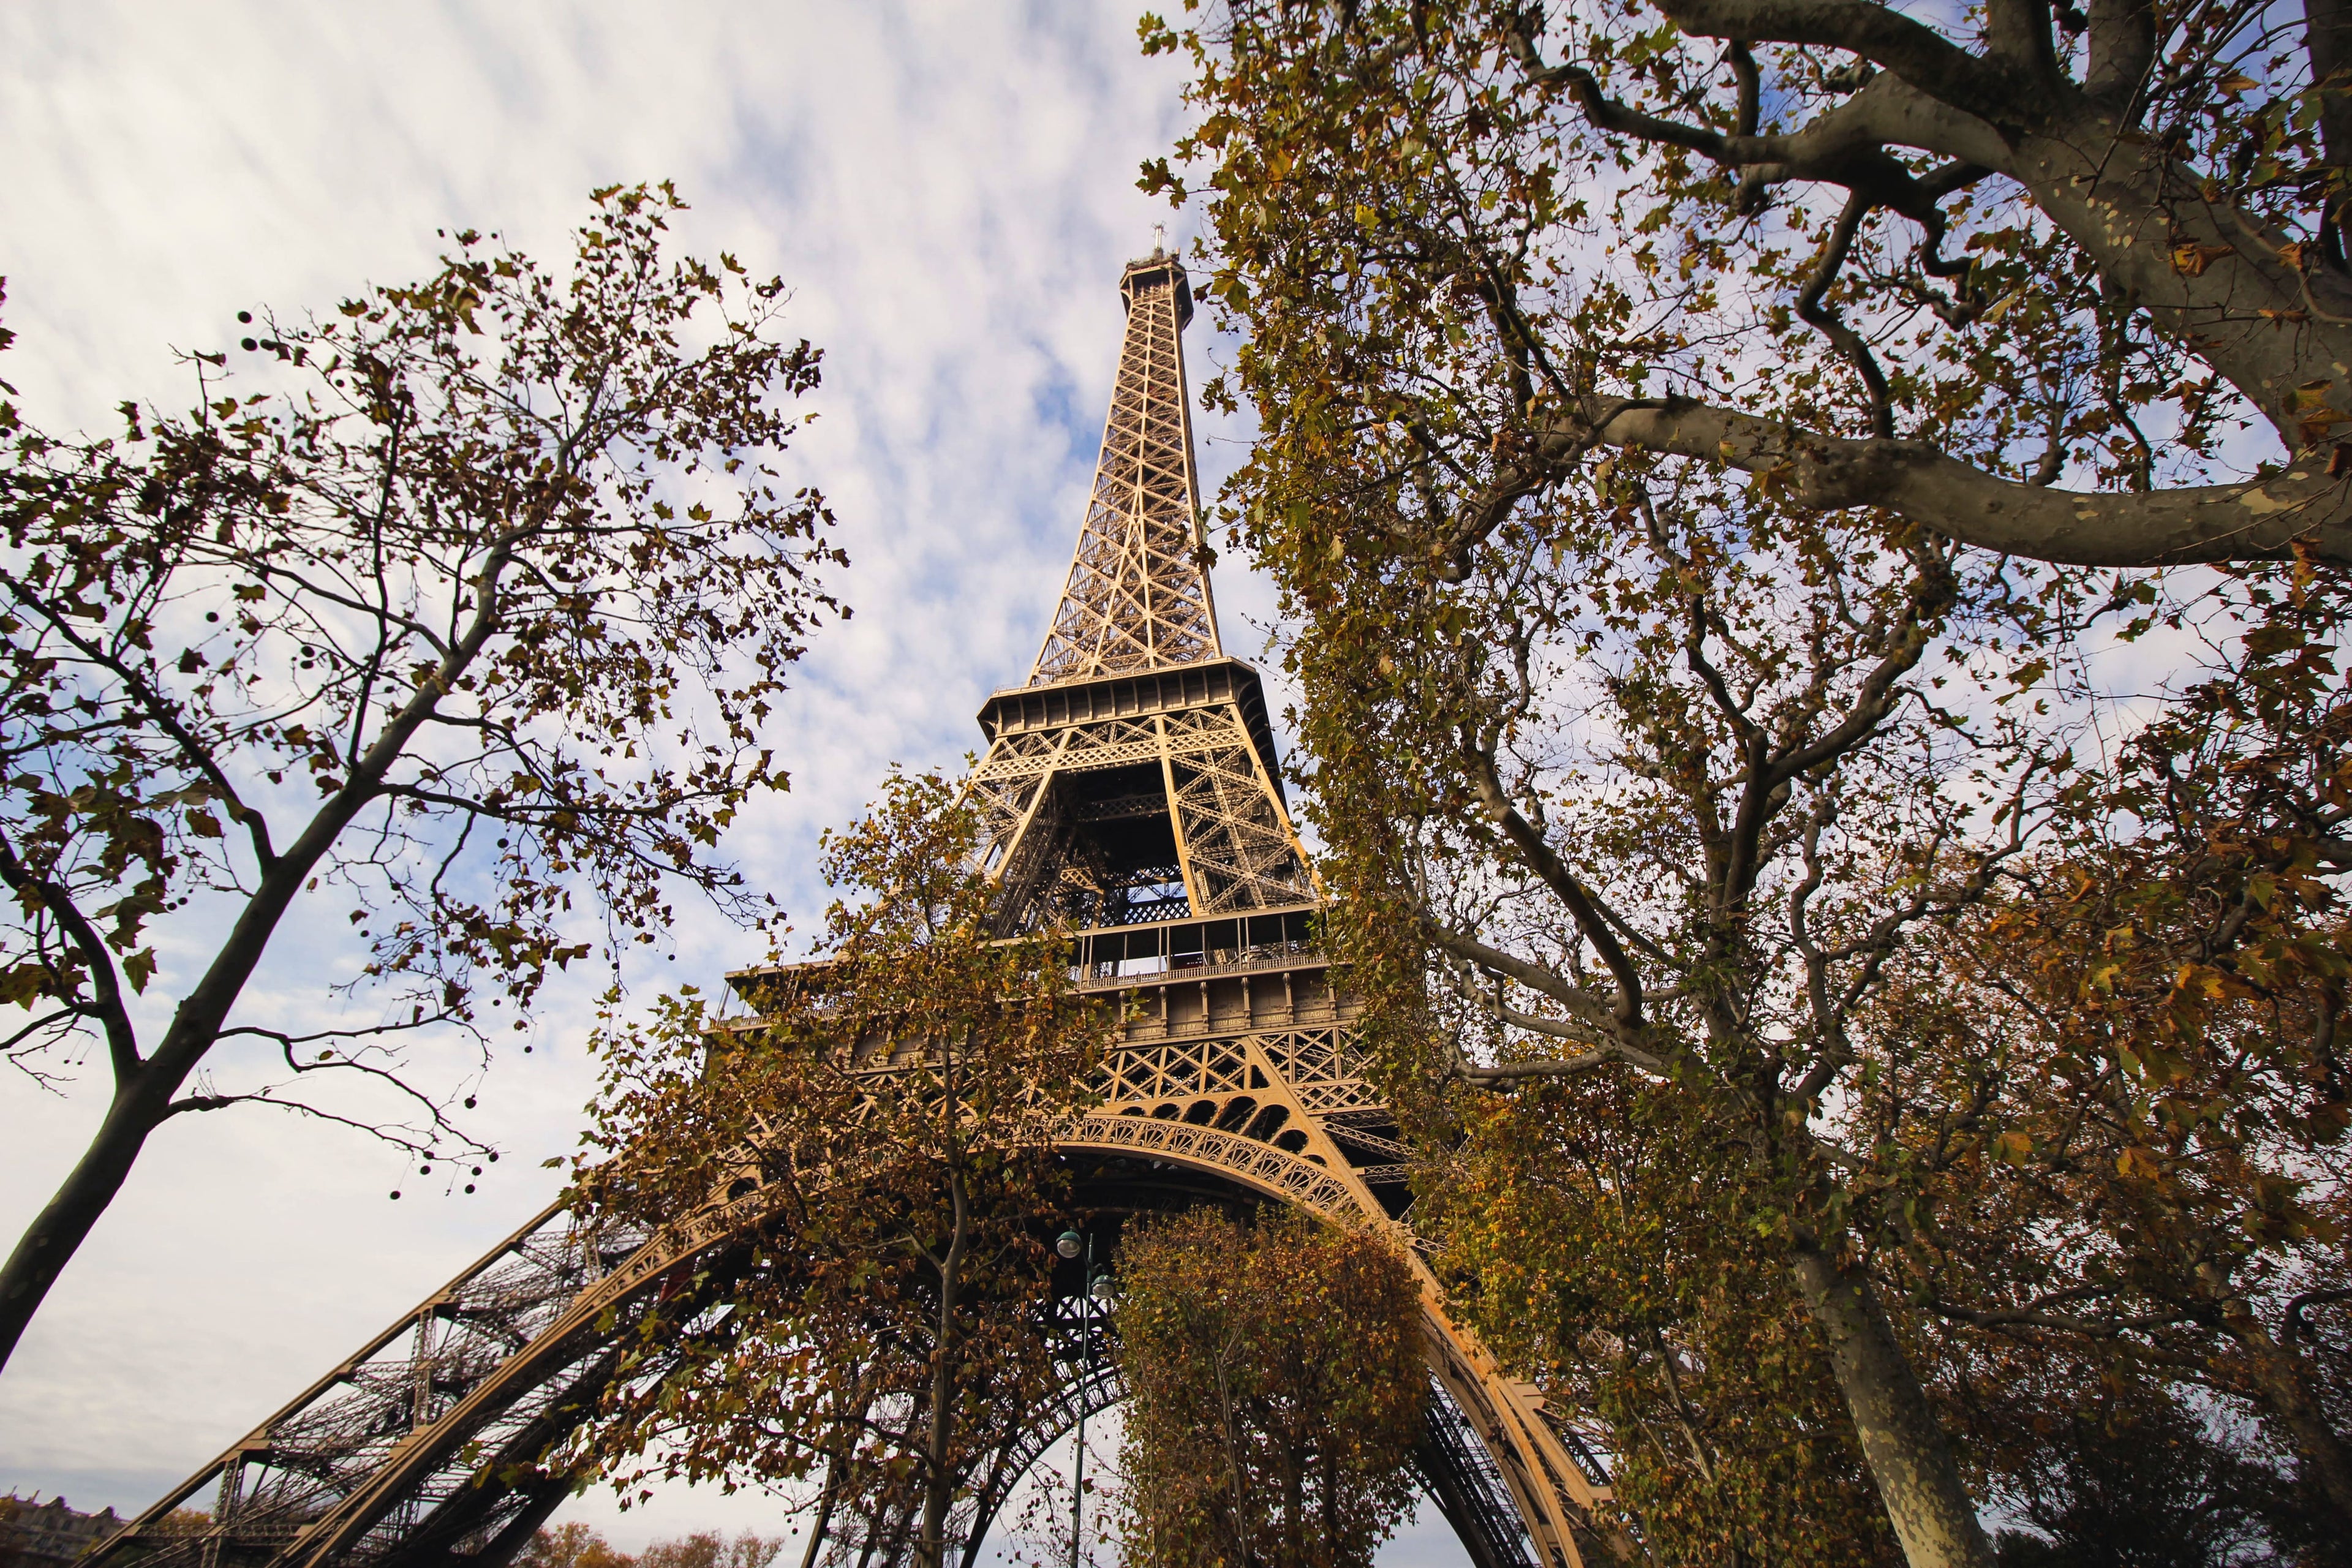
1069	1245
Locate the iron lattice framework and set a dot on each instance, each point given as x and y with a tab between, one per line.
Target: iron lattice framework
1138	595
1132	791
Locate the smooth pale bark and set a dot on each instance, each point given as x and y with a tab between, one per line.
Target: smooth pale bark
1907	1453
2212	277
2204	522
2272	319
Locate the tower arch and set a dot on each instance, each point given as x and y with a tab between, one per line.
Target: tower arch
1131	792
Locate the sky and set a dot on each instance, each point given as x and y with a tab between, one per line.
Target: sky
949	191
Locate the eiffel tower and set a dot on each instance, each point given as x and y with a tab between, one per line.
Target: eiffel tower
1130	793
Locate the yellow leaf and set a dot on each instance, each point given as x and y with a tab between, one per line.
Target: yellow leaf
2191	260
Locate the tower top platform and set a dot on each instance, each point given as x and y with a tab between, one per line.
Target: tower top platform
1156	269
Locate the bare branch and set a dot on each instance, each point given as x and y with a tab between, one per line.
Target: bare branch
1487	783
106	1002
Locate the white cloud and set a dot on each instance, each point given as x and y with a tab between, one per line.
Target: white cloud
949	188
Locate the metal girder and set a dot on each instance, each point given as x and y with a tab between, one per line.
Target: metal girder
265	1491
1132	790
1454	1470
1137	592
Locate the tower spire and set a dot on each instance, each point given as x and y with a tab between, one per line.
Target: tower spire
1137	593
1131	800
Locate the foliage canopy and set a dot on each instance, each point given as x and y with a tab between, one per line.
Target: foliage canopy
1277	1383
883	1135
466	615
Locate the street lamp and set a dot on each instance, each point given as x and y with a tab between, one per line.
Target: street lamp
1068	1245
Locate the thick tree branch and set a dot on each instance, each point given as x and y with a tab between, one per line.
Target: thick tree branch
1534	976
1844	145
1503	1073
1881	35
2017	37
2123	46
2254	519
2249	302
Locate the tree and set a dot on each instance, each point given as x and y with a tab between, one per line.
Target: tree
1667	763
1668	809
887	1127
706	1549
576	1545
2143	1167
1275	1380
1608	1252
1868	259
2131	1479
570	1545
470	614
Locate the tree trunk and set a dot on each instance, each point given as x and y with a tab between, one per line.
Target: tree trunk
2328	39
1906	1448
58	1232
983	1516
144	1089
938	1478
2278	1371
1294	1505
1234	1494
1331	1500
822	1526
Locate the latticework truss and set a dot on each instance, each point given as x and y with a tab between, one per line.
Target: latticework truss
1138	595
1043	803
308	1462
1453	1468
1131	796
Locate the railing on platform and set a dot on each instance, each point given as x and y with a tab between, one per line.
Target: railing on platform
1189	949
